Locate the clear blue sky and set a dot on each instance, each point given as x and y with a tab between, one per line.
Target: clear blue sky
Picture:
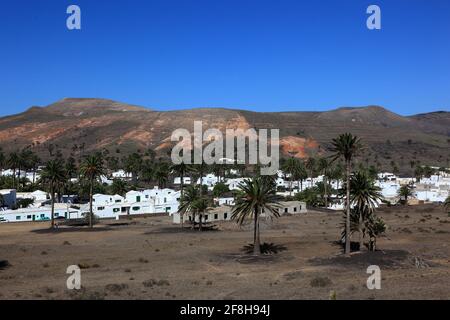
253	54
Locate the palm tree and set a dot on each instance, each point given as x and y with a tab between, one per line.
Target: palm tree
14	163
311	166
300	175
187	201
91	169
34	162
323	165
346	146
2	159
54	176
405	192
256	195
200	206
364	196
199	170
161	174
290	166
133	164
119	187
181	170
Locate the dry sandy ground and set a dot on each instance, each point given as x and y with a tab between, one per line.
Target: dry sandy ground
150	258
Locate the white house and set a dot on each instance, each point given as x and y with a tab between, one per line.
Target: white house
38	196
136	203
186	180
224	212
121	174
39	214
224	201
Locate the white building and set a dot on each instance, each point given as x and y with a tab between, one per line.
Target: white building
38	196
186	180
229	201
224	212
136	203
40	214
121	174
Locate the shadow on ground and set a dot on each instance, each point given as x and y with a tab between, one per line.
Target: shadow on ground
382	258
4	264
70	229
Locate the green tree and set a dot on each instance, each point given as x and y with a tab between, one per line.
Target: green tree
311	196
161	174
364	196
375	228
220	189
54	176
119	187
2	159
133	164
91	169
34	164
187	201
311	165
324	166
14	163
405	192
290	167
255	196
345	147
180	170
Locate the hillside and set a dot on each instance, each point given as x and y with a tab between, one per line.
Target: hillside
120	128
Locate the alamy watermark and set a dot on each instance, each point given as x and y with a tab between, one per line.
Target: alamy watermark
74	280
190	148
374	280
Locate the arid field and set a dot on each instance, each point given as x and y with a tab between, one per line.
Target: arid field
150	258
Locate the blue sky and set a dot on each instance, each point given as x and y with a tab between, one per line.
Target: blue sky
252	54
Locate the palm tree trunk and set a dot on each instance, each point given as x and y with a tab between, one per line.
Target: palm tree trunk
14	178
256	240
361	239
200	222
53	207
325	190
290	186
347	220
18	182
193	221
91	191
181	215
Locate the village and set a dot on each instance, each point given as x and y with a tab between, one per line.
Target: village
432	189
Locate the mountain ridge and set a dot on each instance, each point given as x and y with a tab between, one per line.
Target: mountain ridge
103	124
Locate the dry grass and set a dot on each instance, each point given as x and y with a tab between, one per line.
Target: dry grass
152	259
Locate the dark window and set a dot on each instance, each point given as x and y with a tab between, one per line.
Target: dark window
286	210
206	217
17	217
225	215
216	216
138	199
295	209
29	217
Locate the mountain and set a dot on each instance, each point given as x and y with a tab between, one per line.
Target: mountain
99	124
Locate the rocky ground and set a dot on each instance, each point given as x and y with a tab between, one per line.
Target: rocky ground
150	258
